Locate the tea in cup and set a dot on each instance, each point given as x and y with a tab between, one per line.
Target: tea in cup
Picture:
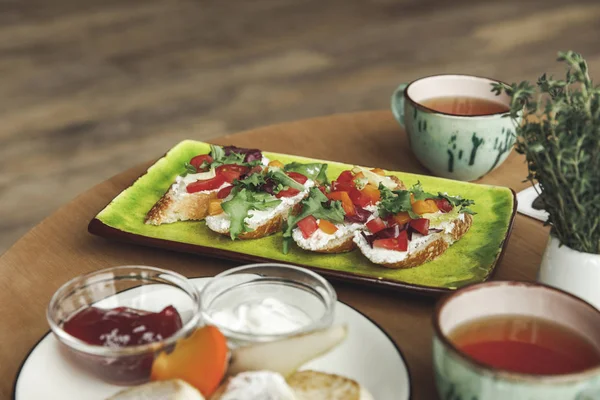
515	340
457	127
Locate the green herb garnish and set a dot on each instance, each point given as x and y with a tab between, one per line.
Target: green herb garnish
317	205
219	158
280	177
314	171
216	152
239	206
560	137
459	202
420	194
395	201
252	182
189	169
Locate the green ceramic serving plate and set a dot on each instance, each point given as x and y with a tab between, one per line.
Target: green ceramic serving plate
472	259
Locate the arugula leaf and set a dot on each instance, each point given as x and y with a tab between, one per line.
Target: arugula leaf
232	158
239	206
263	201
393	202
317	205
220	158
252	182
216	152
278	187
420	194
280	177
315	171
458	201
189	169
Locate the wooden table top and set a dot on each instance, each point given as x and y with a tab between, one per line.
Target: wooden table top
60	248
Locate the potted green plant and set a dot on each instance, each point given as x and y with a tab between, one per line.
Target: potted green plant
560	138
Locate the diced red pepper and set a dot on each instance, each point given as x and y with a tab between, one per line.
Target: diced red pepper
358	198
308	226
232	172
375	225
346	176
301	179
399	243
199	160
224	192
403	241
207	184
342	186
344	182
444	205
420	225
346	202
289	192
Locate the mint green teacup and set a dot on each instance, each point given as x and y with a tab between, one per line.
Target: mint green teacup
460	377
452	146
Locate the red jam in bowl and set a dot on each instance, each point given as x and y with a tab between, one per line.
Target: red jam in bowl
122	327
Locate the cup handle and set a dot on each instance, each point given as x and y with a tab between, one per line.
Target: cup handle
398	103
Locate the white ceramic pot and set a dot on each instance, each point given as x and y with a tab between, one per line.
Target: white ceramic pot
572	271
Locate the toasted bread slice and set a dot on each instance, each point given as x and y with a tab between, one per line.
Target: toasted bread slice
174	206
175	389
314	385
421	249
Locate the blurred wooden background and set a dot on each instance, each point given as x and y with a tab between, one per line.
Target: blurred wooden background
89	88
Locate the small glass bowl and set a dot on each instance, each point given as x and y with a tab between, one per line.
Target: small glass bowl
297	287
139	287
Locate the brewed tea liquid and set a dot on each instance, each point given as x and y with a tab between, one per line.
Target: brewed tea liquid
526	345
464	106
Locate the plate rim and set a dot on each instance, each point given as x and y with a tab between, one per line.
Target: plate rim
396	346
99	228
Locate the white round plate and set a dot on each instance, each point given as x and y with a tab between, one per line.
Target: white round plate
368	355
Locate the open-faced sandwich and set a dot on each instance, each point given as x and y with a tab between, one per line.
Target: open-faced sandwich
328	218
200	181
413	227
242	195
257	205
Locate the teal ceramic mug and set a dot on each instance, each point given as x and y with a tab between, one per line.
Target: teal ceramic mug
453	146
460	377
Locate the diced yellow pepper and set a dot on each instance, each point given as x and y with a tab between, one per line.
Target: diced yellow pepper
276	164
214	207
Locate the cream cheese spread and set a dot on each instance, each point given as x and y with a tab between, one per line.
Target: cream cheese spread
269	316
319	239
